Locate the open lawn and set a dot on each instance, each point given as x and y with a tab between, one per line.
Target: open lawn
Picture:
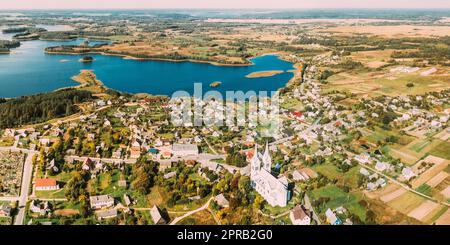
337	197
203	217
50	194
328	170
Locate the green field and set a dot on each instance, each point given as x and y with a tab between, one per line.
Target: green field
51	194
328	170
441	150
418	147
425	189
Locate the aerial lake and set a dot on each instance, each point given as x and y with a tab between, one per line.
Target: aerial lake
28	70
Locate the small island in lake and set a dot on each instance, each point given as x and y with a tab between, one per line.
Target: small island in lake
215	84
87	59
88	81
257	74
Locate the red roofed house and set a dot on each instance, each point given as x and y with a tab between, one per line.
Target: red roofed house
298	216
46	185
297	115
249	155
135	152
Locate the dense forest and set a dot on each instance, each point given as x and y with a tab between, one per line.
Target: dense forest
9	44
41	107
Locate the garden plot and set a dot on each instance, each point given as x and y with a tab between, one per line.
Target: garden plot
393	195
444	135
436	180
444	219
446	192
11	166
439	164
423	210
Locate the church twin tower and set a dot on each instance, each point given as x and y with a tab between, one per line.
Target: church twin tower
264	159
273	189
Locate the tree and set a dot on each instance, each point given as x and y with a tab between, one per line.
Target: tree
259	202
75	187
143	175
244	184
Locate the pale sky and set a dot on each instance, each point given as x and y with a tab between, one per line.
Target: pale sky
285	4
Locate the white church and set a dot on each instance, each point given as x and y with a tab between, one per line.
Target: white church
274	190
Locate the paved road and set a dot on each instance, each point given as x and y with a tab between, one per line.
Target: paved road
26	181
96	159
9	199
200	158
178	219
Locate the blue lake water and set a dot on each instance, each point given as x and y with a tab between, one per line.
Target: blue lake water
27	70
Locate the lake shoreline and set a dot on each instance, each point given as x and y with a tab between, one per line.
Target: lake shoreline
129	57
252	61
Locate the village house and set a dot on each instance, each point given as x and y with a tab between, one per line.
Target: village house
135	152
332	219
127	199
170	175
42	208
122	183
117	154
222	201
9	132
298	216
44	141
87	164
106	214
407	173
46	185
363	158
5	210
381	166
156	216
364	172
300	176
103	201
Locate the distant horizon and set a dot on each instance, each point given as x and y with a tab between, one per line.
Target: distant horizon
221	4
247	9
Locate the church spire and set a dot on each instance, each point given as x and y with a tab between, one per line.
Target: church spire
267	159
256	163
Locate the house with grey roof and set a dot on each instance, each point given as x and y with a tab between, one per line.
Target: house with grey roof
156	216
5	210
102	201
106	214
222	201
